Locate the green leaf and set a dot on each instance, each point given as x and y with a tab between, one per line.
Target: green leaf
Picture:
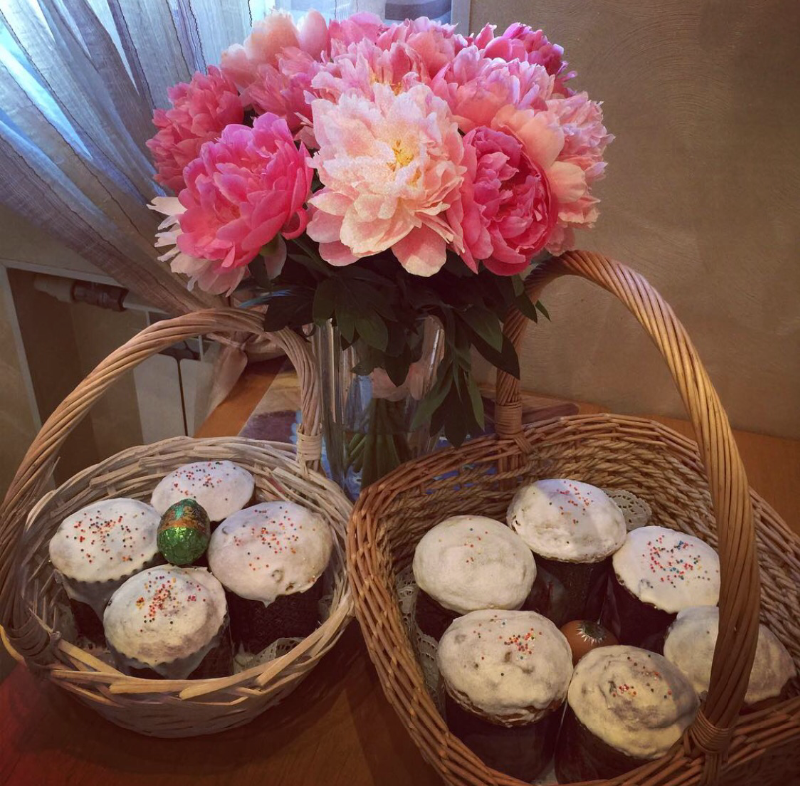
370	360
485	324
293	310
455	426
324	301
477	401
523	303
541	308
259	272
431	403
364	274
506	360
346	324
397	367
372	329
519	285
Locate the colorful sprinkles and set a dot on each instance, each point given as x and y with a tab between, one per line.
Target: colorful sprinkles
650	679
112	539
163	597
673	563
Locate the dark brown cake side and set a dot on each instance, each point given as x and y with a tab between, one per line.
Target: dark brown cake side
582	756
255	626
565	591
431	617
520	751
631	620
87	623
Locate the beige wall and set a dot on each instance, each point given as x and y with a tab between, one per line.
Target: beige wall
701	195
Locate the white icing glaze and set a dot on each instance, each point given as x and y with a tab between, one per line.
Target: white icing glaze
219	487
667	569
270	549
473	562
166	618
100	545
512	666
690	646
633	700
567	520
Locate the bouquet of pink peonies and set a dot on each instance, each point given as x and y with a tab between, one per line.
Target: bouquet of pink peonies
371	176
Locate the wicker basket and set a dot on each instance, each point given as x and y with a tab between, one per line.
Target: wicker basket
688	487
33	606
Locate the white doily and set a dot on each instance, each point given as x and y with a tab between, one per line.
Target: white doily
424	646
636	511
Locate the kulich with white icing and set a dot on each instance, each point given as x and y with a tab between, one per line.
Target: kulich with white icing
473	562
167	619
690	643
219	487
633	700
567	520
270	549
667	569
510	667
103	543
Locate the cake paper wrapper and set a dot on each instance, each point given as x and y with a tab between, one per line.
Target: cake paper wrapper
180	668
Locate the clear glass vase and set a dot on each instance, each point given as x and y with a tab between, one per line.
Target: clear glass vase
367	419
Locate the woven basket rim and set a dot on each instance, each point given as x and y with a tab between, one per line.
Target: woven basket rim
729	499
282	452
368	595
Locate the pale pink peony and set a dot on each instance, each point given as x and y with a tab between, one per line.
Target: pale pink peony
242	192
391	166
435	43
520	42
506	212
569	171
477	88
358	27
200	110
274	67
363	64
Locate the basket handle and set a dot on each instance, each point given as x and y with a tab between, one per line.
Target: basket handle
32	475
730	492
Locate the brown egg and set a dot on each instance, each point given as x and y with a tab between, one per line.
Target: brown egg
584	636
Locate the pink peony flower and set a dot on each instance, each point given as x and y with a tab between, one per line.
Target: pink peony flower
520	42
358	27
506	212
568	170
435	43
363	64
477	88
205	272
391	166
274	67
200	110
242	192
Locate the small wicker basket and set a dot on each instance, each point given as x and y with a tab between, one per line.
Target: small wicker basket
32	603
688	487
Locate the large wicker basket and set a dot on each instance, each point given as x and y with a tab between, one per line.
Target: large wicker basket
33	609
701	490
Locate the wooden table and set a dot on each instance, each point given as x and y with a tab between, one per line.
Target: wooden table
337	729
